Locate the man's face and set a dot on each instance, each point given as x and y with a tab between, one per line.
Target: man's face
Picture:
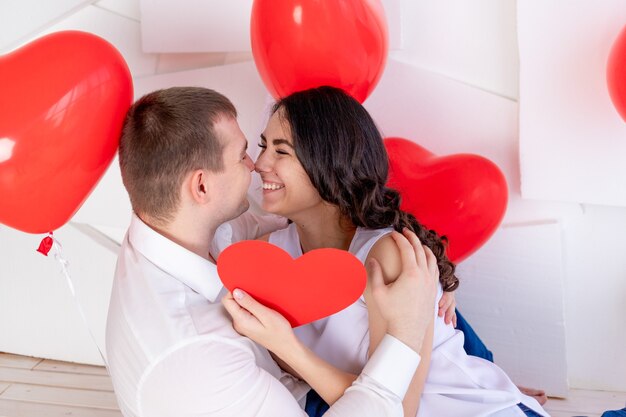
230	187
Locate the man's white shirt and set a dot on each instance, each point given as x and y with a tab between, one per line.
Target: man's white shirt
172	350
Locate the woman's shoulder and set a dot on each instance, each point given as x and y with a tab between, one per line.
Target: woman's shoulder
386	252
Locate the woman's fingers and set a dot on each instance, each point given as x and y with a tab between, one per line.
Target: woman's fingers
243	320
255	308
444	304
450	315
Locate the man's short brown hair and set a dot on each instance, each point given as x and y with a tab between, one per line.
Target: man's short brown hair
166	135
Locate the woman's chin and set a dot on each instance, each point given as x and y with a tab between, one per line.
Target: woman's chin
270	207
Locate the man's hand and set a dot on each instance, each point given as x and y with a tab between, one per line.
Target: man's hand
263	325
407	303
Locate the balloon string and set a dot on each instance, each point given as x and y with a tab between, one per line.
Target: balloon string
58	255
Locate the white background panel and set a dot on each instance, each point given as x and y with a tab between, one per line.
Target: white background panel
19	20
122	32
512	294
195	25
595	290
187	61
38	316
447	117
572	140
217	26
471	41
127	8
444	115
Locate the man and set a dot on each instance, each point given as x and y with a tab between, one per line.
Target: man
171	346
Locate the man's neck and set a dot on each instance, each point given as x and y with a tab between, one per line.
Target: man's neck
193	236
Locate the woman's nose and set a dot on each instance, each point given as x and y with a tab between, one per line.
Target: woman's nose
261	164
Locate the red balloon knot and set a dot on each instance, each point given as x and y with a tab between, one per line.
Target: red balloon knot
45	245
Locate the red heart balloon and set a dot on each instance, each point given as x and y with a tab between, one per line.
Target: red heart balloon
316	285
462	196
308	43
62	104
616	73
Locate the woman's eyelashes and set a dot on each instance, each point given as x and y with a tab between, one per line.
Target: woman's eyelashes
279	151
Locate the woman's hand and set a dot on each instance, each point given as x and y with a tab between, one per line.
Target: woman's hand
263	325
447	306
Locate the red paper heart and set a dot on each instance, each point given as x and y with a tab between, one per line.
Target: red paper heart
63	99
316	285
461	196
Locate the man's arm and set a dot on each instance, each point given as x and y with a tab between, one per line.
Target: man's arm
216	377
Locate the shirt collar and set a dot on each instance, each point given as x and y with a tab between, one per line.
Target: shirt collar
197	273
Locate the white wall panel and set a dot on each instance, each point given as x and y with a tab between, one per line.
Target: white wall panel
38	316
20	20
217	26
122	32
195	25
572	140
512	293
470	41
595	267
127	8
188	61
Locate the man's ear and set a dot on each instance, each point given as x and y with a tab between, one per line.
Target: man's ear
199	186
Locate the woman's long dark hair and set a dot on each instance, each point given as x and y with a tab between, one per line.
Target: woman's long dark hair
342	151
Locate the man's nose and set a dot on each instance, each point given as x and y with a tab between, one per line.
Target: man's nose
249	163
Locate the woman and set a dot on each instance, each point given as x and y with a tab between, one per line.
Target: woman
324	166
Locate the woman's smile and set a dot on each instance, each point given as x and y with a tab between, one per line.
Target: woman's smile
269	187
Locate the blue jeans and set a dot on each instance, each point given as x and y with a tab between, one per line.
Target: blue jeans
615	413
316	407
472	345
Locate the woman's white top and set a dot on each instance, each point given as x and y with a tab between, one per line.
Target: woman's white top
457	385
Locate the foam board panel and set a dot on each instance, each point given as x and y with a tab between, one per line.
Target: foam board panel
217	26
572	141
512	294
473	42
20	20
126	8
448	116
596	290
195	25
122	32
184	62
38	315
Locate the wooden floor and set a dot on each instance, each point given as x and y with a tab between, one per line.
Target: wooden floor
31	387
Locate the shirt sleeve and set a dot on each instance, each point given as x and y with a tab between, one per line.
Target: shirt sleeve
212	378
248	226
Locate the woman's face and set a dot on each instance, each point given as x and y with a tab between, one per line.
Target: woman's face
287	189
